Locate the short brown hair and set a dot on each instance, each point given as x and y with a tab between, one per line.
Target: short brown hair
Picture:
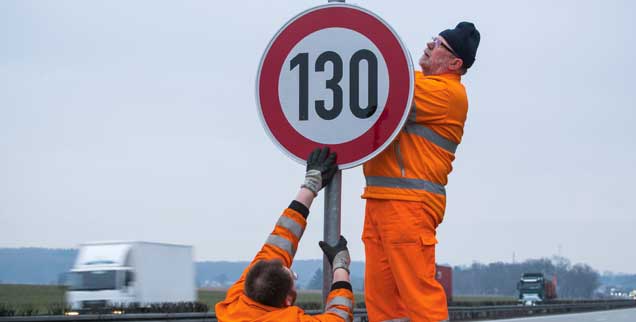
268	283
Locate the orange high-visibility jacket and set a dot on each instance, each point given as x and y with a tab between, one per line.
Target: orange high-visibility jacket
416	165
281	244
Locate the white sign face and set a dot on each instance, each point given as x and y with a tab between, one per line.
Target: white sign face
325	59
338	76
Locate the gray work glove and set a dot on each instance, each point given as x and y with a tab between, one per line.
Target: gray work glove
321	166
338	255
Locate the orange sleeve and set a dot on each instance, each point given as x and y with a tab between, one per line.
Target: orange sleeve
431	99
280	244
339	305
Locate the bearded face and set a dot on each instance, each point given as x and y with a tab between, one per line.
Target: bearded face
436	59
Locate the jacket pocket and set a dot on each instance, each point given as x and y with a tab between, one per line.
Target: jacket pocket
428	240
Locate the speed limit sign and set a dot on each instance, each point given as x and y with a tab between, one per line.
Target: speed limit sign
335	75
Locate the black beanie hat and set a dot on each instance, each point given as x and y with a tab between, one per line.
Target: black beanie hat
464	40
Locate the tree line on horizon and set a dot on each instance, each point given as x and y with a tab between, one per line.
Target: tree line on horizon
573	281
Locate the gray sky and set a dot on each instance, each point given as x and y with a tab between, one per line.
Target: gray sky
137	120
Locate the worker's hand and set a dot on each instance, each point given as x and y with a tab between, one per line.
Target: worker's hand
338	255
321	166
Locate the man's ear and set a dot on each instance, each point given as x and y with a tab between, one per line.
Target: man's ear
289	300
455	64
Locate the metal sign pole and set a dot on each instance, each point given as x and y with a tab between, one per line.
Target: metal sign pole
333	191
332	223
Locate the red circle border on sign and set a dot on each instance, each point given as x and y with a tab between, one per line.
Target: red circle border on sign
400	82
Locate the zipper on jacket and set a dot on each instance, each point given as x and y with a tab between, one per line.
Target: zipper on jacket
398	156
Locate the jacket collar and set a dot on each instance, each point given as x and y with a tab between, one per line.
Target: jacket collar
248	301
455	77
451	76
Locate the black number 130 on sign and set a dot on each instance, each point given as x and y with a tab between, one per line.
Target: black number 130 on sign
302	61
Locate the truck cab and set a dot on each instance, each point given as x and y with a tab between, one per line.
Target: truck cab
100	287
535	288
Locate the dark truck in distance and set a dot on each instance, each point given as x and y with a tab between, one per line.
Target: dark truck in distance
534	288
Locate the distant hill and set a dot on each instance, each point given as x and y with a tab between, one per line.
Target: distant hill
627	281
46	266
222	274
34	265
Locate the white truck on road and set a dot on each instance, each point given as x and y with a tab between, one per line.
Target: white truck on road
116	274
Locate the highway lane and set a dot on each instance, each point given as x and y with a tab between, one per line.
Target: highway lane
623	315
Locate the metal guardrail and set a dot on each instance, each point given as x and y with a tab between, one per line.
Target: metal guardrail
456	313
515	311
134	317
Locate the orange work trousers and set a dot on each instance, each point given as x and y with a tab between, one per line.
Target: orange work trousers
399	279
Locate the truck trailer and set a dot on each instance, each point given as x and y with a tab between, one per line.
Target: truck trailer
117	274
444	275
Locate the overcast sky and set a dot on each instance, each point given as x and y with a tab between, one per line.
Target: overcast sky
136	120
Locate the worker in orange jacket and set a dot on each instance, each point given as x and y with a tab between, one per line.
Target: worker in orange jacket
405	186
266	290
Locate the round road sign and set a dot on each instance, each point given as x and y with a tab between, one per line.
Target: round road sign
335	75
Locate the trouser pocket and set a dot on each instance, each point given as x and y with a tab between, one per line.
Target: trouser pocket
427	260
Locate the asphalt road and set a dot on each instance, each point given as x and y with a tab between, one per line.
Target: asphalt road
624	315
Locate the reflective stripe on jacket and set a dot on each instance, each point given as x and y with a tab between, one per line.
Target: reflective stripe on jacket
416	165
281	244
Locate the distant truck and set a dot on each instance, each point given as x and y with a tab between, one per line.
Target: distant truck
116	274
535	288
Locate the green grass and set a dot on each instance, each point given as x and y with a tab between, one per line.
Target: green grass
37	299
483	300
211	297
46	299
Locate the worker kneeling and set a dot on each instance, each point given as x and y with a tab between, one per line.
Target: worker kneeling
266	290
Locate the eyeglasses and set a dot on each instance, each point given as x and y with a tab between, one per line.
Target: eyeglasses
438	42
